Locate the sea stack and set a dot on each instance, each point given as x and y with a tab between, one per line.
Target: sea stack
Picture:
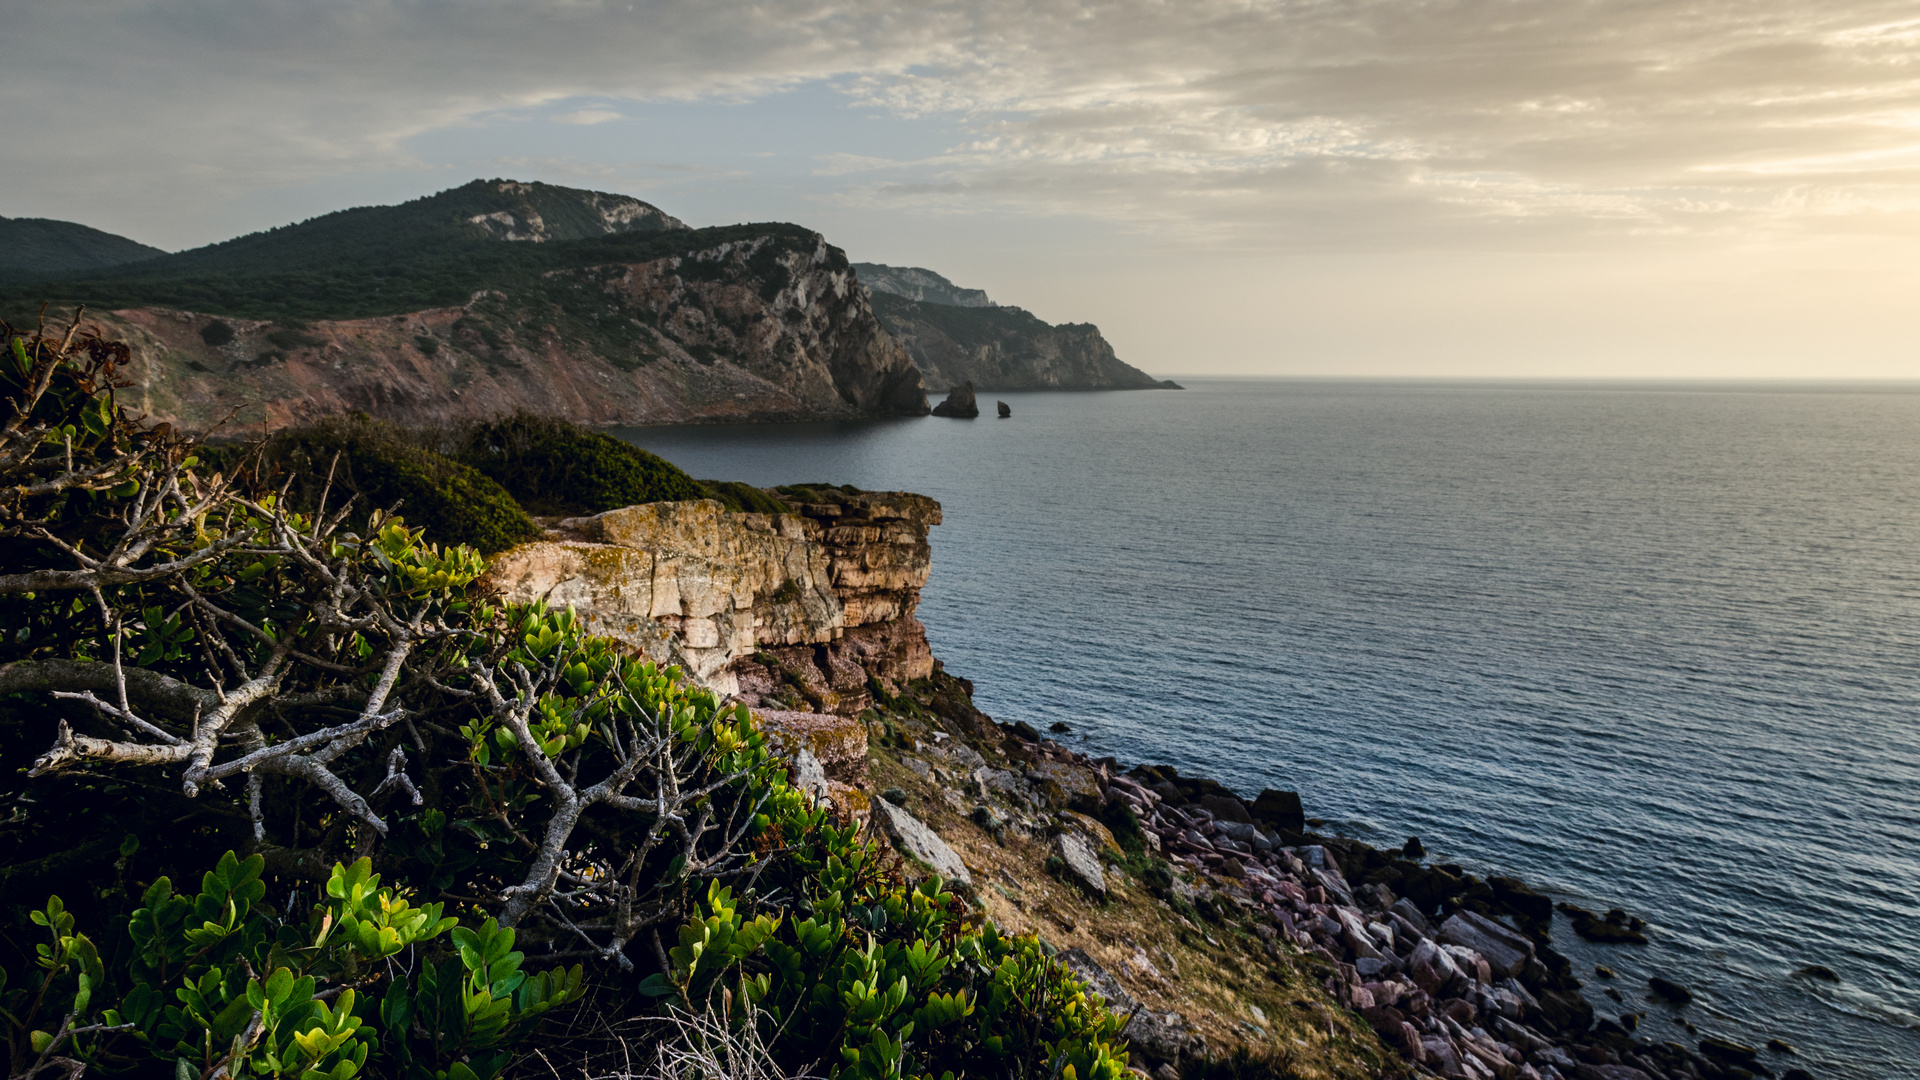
1005	409
959	403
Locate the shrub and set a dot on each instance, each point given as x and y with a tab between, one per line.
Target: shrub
746	498
556	467
216	333
385	466
220	983
878	980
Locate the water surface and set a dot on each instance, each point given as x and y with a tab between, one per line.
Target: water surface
1652	646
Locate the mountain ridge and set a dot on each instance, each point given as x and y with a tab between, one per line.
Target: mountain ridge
31	247
494	297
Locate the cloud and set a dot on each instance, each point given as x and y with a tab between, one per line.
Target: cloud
586	117
1256	123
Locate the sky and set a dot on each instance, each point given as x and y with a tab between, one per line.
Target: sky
1479	188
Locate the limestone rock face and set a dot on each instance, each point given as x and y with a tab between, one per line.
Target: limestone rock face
830	591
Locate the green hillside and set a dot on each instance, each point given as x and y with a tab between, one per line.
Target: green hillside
384	260
35	247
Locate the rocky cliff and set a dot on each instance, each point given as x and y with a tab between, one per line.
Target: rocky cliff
916	283
805	610
494	297
957	336
767	327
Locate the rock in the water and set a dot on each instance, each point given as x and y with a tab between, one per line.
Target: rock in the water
1519	898
1060	727
913	839
1413	849
1082	863
1006	410
1603	930
959	403
1819	971
1729	1052
1780	1046
1670	990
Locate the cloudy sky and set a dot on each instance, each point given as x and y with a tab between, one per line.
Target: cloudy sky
1585	188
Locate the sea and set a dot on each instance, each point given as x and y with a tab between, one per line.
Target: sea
1644	645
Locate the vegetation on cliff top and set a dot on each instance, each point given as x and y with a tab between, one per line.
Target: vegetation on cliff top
552	466
476	483
403	792
370	261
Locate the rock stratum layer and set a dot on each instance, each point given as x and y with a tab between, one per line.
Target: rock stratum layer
769	328
825	596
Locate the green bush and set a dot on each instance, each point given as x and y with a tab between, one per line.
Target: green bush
385	465
744	498
556	467
879	980
221	979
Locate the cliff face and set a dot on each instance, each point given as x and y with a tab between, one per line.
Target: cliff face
1004	348
823	598
768	327
915	283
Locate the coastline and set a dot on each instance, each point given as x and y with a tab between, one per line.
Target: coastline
1454	975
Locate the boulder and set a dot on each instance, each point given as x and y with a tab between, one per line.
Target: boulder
1565	1010
1081	864
1432	969
1608	1072
1504	950
1410	912
1670	990
839	743
1520	899
1729	1052
1005	409
913	839
1065	785
1606	931
1226	808
1098	979
959	404
1280	810
1355	934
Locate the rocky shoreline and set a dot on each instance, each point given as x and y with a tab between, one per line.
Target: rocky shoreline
1219	926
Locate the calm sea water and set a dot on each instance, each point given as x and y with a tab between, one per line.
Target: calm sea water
1651	646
